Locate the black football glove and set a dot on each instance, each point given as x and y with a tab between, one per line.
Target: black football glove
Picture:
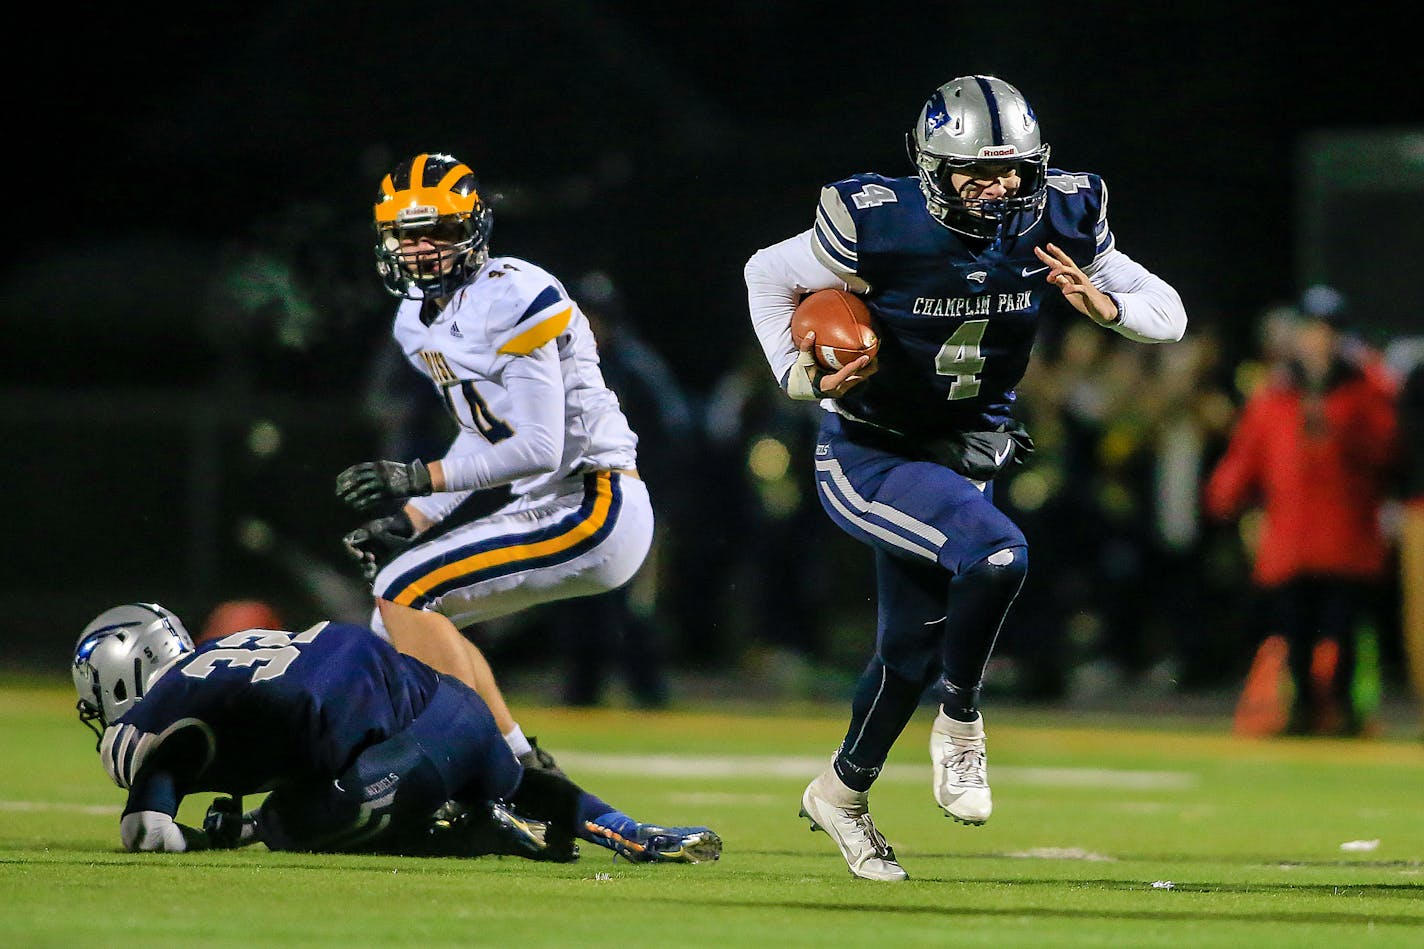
226	826
373	485
375	542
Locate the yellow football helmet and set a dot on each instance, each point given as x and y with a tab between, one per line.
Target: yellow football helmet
432	227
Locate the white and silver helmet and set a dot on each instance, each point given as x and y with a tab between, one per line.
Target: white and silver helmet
979	120
120	655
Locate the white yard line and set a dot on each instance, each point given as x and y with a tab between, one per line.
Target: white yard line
59	806
1062	853
753	766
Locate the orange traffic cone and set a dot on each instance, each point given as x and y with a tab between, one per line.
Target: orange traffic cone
1265	699
232	616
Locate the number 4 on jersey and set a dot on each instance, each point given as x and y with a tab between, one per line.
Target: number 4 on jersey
959	357
872	196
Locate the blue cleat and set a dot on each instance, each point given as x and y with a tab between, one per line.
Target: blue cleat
651	843
679	844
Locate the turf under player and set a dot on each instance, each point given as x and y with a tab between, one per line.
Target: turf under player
362	749
538	497
955	262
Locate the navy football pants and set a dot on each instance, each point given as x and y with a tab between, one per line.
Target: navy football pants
384	801
948	565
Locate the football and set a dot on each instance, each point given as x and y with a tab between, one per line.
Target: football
843	326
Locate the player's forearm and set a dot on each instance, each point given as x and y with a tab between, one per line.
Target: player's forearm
527	441
776	276
531	441
1149	309
771	303
534	451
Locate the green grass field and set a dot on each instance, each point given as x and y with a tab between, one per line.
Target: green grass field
1105	832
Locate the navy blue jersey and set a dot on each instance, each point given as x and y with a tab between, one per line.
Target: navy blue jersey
957	322
260	707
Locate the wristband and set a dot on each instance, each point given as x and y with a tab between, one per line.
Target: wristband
804	380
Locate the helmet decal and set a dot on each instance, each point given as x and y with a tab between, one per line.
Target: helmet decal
936	116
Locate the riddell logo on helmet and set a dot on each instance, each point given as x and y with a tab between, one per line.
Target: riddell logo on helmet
997	151
417	213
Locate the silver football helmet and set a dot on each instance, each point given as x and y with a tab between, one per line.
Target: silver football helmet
120	655
979	120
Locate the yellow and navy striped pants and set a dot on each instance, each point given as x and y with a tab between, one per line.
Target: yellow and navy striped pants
588	540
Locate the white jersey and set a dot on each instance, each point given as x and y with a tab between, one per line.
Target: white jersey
517	365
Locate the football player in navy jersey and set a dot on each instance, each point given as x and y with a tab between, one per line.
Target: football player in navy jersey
956	262
361	748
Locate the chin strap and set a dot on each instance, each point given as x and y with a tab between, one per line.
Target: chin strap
88	715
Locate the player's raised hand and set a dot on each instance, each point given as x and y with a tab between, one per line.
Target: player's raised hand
1075	286
373	485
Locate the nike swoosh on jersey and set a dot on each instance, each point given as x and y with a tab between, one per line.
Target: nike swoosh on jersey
1026	272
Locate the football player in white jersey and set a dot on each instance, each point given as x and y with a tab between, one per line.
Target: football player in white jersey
538	497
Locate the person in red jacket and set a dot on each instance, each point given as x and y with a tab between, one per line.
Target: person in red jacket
1315	446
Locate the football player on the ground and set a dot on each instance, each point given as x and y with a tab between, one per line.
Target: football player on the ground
538	498
955	262
362	749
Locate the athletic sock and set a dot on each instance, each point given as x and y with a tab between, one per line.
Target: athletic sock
517	742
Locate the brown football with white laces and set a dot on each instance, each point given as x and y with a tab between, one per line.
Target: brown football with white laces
843	326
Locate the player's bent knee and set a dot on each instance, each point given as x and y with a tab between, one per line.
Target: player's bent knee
1006	567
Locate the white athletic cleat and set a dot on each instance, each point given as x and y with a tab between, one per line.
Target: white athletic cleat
961	775
843	814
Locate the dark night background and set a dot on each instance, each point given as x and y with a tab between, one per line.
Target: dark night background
661	144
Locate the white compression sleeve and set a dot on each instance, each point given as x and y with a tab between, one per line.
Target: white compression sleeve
536	387
776	276
1150	309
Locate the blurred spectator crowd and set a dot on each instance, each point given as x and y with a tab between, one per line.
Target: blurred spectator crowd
1134	583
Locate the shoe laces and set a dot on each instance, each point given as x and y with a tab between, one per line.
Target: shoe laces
966	760
864	829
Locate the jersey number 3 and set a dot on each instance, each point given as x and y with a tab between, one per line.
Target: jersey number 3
959	357
268	651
